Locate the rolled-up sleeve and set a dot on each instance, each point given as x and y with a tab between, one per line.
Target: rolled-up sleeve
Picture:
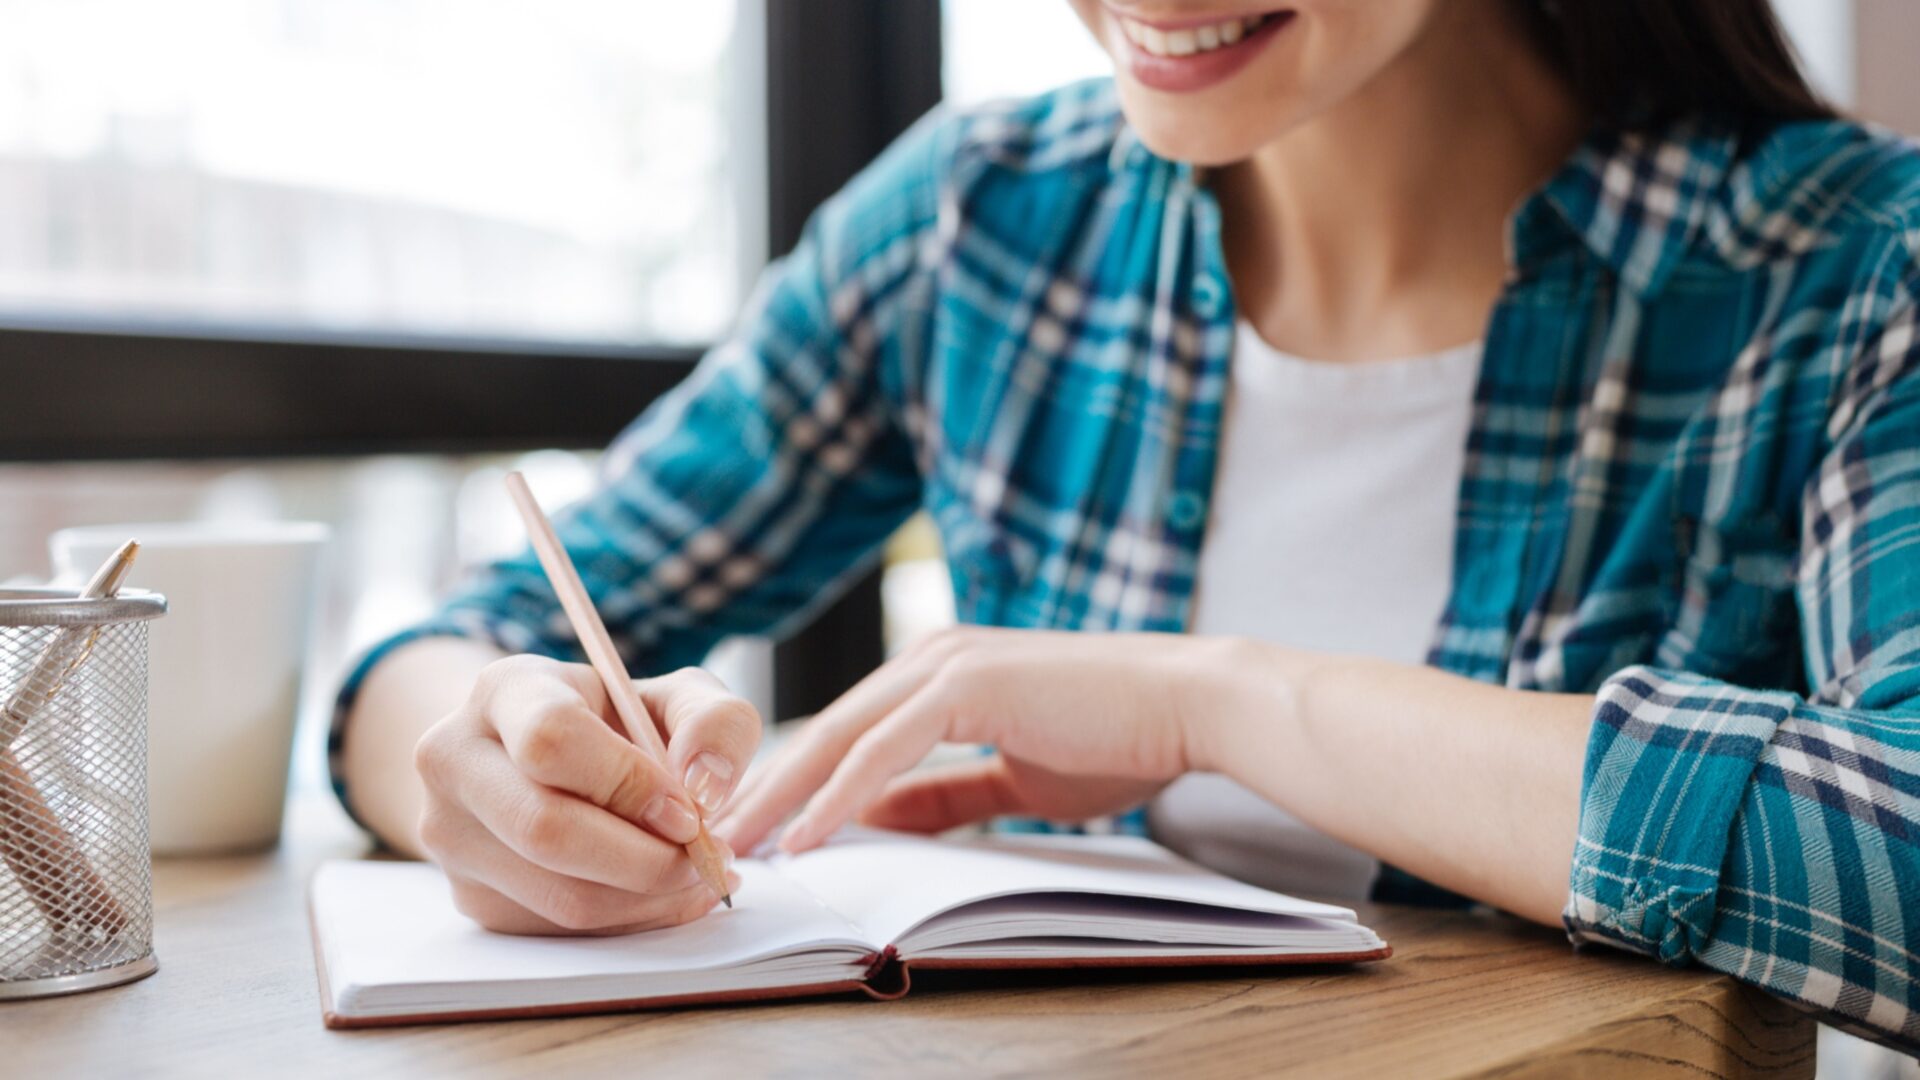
1668	761
1776	836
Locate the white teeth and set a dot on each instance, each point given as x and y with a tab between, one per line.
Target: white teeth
1187	42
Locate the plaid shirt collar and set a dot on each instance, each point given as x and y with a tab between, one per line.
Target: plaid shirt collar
1641	203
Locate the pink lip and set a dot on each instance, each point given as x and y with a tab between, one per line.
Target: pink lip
1185	74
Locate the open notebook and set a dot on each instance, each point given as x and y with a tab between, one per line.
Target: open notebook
856	914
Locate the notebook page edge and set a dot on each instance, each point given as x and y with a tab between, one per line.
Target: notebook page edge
1044	948
857	855
1117	918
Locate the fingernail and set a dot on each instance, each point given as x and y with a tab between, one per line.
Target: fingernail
672	819
707	780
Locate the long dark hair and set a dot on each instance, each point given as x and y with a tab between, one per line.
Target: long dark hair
1637	63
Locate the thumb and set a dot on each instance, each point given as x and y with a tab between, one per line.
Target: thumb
937	799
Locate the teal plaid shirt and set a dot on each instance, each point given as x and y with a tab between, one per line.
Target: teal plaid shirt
1692	485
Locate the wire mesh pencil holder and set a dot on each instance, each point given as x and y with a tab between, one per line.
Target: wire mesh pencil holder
76	874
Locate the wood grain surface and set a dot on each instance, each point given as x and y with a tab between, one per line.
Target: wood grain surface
1465	995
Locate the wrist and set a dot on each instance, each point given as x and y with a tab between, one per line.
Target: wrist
1240	695
403	695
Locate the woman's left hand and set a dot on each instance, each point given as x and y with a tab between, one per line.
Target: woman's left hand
1085	724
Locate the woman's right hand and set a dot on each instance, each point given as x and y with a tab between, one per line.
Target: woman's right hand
548	820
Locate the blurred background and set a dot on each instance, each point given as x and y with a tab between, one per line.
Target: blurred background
349	260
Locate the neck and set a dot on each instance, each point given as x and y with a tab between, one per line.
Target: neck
1377	228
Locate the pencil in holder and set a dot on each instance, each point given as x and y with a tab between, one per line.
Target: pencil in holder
76	873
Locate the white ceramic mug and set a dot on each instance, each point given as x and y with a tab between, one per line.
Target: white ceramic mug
223	669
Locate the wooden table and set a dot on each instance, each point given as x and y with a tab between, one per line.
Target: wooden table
1464	995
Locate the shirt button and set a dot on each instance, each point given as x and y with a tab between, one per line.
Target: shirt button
1209	297
1185	509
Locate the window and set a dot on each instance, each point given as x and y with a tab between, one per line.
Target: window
1015	48
551	170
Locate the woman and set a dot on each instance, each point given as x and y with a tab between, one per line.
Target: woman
1567	348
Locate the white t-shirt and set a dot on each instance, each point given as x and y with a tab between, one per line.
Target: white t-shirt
1332	530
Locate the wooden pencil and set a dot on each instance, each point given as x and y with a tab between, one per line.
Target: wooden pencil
708	858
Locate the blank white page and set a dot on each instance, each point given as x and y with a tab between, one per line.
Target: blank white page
393	944
887	883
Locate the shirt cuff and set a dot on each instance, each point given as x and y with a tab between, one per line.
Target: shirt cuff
507	634
1668	761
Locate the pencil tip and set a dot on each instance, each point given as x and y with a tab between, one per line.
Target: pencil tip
727	899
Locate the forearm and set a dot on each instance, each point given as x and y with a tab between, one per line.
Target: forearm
1473	787
405	694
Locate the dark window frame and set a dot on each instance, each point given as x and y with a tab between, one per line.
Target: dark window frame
843	77
873	67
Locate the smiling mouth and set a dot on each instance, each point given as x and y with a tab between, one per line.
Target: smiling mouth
1192	40
1183	56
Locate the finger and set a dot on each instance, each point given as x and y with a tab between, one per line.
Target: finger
811	753
498	910
562	833
556	740
872	697
727	825
569	903
886	750
494	910
711	732
937	799
490	909
769	765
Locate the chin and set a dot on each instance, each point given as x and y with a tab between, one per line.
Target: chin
1211	82
1196	136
